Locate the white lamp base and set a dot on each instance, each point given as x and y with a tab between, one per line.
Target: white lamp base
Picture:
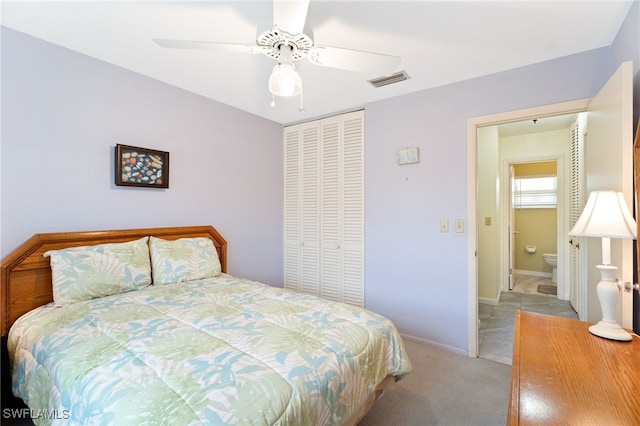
608	293
610	331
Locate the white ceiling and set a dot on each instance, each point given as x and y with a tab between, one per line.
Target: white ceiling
536	125
440	42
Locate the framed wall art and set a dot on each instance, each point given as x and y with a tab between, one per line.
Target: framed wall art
142	167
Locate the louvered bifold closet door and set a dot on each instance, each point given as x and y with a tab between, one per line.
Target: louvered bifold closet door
310	238
576	290
353	208
331	204
324	208
301	208
292	210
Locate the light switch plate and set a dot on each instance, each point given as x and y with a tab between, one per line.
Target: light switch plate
444	225
408	155
458	226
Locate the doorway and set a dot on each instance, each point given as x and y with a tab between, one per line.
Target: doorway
521	226
474	127
533	225
609	154
545	140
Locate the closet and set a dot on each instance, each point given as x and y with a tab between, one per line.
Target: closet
324	208
577	292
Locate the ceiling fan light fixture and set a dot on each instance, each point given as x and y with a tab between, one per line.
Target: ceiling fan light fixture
285	80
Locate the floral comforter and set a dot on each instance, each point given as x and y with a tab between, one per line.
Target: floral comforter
218	351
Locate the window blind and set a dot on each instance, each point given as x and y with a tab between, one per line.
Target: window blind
535	192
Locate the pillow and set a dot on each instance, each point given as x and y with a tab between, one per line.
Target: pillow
89	272
183	259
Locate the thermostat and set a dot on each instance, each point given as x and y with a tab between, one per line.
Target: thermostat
409	155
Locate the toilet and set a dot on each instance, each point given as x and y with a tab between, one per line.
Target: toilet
551	259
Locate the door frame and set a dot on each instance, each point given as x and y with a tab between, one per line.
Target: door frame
561	231
473	124
511	231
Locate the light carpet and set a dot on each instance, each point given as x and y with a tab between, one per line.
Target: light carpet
445	389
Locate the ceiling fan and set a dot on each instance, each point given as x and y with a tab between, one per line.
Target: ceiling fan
288	41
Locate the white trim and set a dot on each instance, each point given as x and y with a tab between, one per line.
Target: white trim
487	301
472	237
457	351
472	208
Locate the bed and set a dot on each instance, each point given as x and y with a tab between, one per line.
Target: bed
173	339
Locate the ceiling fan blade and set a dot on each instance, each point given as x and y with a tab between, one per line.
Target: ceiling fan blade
353	60
209	45
289	15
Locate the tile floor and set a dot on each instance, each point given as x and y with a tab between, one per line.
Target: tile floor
495	334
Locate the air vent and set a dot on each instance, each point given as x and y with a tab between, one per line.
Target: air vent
391	79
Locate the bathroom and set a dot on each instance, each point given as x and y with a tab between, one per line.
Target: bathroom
525	143
535	227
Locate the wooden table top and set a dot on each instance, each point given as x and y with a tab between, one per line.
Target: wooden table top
562	374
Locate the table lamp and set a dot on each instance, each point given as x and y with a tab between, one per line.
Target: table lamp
606	216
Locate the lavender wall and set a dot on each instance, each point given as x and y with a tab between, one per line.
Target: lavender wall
626	47
63	113
416	275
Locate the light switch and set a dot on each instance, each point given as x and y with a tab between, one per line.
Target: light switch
444	225
459	226
487	221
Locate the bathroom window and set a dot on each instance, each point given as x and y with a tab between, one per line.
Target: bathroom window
535	192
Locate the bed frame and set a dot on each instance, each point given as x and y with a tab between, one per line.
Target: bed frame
26	274
26	282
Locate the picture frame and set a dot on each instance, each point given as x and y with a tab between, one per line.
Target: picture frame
141	167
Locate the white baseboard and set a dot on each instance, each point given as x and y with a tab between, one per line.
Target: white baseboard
532	273
487	301
431	343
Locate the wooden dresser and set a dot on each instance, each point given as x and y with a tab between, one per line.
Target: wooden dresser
562	374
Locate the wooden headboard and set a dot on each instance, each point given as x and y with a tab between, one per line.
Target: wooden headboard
26	274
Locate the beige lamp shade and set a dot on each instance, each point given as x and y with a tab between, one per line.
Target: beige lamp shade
605	215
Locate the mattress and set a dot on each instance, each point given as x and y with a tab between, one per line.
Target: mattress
223	350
